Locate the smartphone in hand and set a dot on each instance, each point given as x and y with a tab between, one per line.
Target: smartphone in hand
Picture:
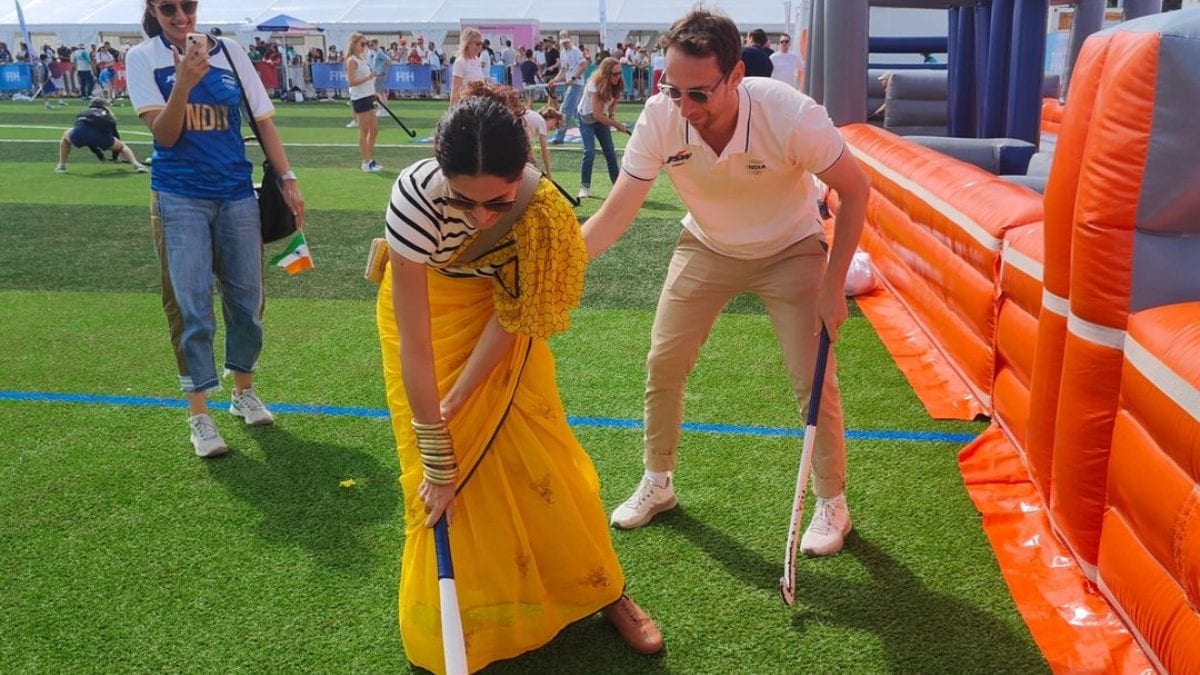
196	38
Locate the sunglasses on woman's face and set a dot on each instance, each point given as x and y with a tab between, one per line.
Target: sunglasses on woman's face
168	9
466	205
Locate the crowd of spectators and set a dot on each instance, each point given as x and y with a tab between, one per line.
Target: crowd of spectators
90	70
81	70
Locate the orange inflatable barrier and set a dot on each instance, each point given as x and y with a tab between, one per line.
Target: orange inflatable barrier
935	227
1149	560
1020	302
1061	193
1111	184
1052	116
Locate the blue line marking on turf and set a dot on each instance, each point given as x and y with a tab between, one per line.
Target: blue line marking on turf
603	422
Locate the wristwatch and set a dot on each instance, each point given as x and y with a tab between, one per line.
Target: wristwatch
288	175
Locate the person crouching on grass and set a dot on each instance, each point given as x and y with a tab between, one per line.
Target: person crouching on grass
96	128
479	424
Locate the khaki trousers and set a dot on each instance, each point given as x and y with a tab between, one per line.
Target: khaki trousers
699	284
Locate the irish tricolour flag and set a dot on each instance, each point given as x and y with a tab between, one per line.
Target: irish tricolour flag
296	258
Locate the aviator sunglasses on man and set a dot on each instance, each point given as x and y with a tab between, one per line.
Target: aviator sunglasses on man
697	95
168	9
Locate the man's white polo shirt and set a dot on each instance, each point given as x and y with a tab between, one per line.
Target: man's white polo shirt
757	197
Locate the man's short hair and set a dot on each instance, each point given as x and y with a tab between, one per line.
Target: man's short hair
705	32
758	36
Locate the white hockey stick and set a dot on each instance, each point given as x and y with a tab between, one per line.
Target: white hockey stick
454	648
787	583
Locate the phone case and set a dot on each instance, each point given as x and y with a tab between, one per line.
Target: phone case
377	259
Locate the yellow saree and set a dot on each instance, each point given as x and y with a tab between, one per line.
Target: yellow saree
530	539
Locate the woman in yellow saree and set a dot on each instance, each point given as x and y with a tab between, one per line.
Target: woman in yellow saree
479	425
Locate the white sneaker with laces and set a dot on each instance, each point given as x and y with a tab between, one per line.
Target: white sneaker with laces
60	169
353	124
828	528
372	167
585	192
647	501
141	168
206	439
248	406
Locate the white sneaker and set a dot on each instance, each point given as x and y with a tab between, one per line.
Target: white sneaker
60	169
648	500
205	438
828	528
353	124
372	167
248	406
584	192
141	168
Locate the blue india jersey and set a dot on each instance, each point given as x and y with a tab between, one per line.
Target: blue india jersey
209	159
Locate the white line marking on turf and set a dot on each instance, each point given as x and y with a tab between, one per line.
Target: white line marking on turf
60	128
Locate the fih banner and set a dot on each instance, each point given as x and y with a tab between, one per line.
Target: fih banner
409	78
15	77
400	77
329	76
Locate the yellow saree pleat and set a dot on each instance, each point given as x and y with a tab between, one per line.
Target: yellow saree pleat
530	539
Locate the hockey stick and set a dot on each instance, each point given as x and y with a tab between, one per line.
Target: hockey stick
408	131
454	648
787	583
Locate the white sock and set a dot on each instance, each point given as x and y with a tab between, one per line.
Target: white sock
661	478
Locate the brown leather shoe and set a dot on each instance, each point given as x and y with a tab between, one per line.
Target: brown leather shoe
635	625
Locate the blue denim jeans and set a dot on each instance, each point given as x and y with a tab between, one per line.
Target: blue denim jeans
570	110
591	133
199	240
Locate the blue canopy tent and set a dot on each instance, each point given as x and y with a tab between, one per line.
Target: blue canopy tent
287	25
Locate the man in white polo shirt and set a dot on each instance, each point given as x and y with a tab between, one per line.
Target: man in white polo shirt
742	154
570	74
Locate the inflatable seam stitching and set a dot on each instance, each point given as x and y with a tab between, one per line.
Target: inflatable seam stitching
1189	511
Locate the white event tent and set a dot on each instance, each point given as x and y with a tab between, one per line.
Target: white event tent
82	21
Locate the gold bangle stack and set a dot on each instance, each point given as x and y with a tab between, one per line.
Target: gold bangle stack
437	452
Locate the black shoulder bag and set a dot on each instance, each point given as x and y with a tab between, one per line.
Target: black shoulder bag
274	216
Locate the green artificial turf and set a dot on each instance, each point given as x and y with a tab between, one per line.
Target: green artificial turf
123	552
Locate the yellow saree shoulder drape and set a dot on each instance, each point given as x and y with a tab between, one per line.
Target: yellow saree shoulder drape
530	539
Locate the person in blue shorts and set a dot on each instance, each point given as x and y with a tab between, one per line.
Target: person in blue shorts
95	128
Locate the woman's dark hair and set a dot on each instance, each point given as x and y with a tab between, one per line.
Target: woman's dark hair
704	32
483	135
149	21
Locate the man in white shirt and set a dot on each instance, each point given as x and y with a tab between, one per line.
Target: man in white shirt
485	61
789	65
570	74
508	57
741	153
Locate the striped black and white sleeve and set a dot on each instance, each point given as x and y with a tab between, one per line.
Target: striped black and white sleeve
412	220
